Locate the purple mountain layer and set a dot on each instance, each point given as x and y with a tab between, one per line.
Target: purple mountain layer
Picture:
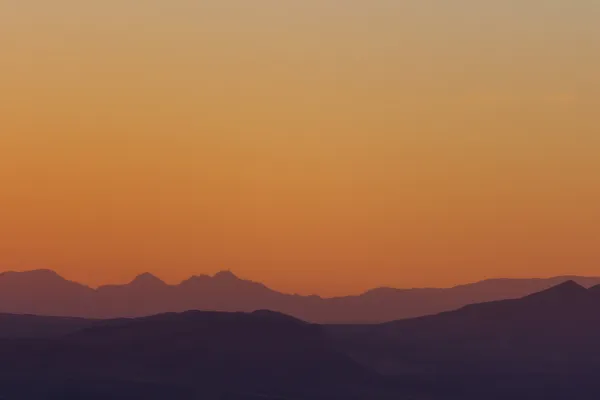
44	292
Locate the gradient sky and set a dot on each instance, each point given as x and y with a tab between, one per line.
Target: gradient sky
318	146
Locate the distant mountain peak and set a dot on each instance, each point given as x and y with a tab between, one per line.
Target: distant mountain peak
570	286
565	290
226	275
147	279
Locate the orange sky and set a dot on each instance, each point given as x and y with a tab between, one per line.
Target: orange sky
322	147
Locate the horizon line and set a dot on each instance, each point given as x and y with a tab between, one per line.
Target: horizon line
231	274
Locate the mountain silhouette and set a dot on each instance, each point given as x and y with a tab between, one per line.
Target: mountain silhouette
147	280
555	331
541	346
595	290
206	353
33	326
44	292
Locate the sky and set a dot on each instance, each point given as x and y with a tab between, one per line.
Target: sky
317	146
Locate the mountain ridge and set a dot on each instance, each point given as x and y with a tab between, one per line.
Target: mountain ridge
542	345
549	332
44	292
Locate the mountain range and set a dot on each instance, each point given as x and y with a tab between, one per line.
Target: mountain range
541	346
45	293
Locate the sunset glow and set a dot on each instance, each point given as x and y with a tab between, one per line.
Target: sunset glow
322	147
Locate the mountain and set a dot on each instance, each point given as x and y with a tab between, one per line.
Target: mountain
541	346
44	292
145	295
32	326
197	354
554	332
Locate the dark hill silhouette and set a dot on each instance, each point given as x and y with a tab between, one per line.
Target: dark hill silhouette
595	289
46	293
206	353
555	331
31	326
